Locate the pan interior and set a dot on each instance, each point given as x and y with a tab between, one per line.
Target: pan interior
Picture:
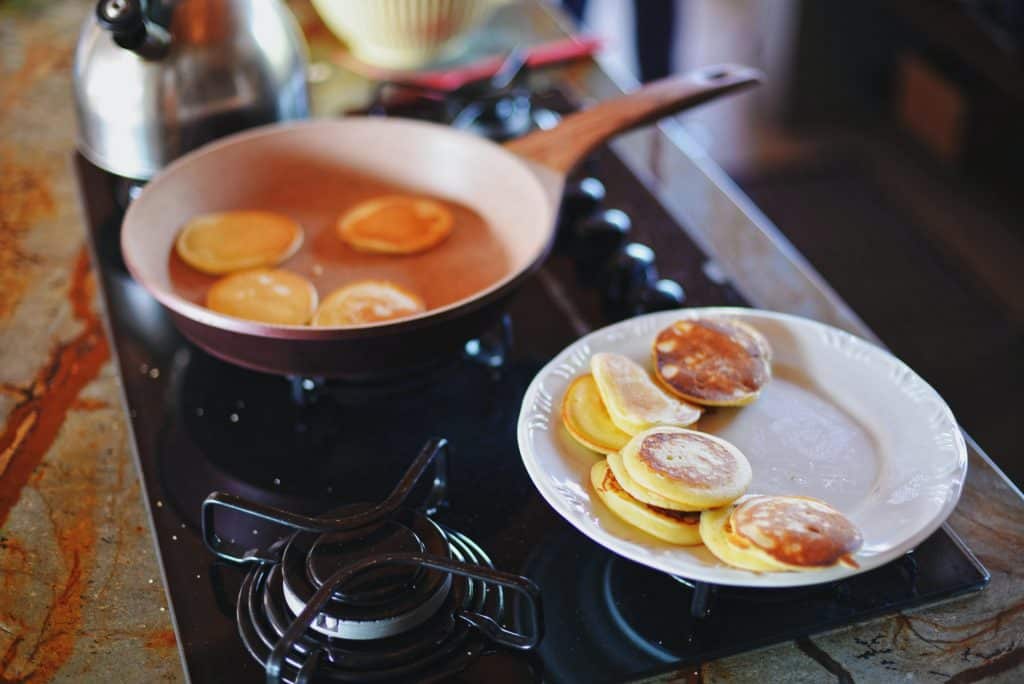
314	171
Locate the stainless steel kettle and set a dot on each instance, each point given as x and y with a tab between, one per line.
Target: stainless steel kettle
154	80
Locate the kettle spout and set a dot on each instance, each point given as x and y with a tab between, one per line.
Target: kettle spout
127	22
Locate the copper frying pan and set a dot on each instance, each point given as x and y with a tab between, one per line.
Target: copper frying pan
297	168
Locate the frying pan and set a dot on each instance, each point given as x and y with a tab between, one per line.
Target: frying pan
295	167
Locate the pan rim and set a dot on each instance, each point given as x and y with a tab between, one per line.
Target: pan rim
200	314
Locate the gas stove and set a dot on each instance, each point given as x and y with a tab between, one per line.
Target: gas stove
277	569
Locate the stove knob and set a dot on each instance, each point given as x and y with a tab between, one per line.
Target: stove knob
630	272
598	236
662	296
581	199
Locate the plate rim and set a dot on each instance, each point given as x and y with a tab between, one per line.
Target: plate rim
755	580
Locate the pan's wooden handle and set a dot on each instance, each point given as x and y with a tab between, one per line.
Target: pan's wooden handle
561	147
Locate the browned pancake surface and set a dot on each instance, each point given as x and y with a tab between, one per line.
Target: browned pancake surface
711	360
796	530
689	458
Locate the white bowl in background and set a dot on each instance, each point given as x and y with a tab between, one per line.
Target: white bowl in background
402	34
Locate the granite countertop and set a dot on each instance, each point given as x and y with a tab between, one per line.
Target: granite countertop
81	597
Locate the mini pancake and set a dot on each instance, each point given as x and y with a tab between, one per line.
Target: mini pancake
587	419
265	295
690	467
635	403
712	362
395	224
366	301
232	241
776	533
638	492
675	527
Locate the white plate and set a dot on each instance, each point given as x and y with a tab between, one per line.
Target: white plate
841	420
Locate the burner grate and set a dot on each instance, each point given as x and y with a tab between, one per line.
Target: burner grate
393	598
500	107
370	592
436	649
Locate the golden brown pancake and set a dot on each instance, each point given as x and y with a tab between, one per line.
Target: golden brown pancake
675	527
265	295
635	403
690	467
395	224
232	241
773	533
639	492
367	301
712	361
587	420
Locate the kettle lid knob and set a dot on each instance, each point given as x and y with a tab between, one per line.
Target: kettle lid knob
126	21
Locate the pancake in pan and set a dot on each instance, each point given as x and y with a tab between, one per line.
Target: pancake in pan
690	467
675	527
264	295
232	241
635	403
712	362
773	533
587	420
395	224
366	301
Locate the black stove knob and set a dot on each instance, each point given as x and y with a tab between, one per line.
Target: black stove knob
662	296
581	199
630	272
597	237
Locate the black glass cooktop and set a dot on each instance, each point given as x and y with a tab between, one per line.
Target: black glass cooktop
200	425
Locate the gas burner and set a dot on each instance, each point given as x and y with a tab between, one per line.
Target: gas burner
489	351
500	107
371	592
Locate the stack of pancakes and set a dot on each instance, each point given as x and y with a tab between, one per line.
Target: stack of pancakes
664	477
684	486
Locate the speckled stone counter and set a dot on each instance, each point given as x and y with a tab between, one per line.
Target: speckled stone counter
81	597
80	592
